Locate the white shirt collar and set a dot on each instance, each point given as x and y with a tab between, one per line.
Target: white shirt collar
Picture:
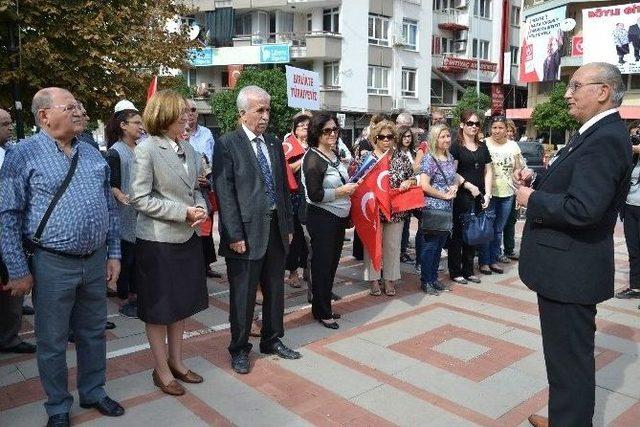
593	120
251	135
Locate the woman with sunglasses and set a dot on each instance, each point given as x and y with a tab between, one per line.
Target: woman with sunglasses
507	158
327	192
383	138
476	170
406	144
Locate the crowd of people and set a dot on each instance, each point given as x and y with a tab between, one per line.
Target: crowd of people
142	222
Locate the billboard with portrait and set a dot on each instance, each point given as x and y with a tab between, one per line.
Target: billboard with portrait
541	46
612	34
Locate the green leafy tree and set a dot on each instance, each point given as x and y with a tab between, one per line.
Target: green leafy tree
470	101
102	51
553	114
274	81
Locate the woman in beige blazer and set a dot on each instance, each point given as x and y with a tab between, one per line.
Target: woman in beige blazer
170	269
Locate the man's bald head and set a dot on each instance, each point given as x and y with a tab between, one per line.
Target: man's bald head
6	126
57	112
44	99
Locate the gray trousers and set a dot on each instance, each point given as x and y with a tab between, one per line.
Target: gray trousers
10	319
69	294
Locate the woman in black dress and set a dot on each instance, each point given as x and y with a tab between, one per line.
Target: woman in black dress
474	166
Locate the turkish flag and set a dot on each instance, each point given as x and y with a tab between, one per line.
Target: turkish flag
378	176
153	87
292	147
402	201
365	214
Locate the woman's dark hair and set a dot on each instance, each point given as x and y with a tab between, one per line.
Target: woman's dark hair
297	119
113	132
316	124
464	116
402	130
633	125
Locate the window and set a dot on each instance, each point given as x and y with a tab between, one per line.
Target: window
378	81
446	46
410	34
243	25
442	93
409	82
378	30
482	51
332	74
482	8
330	20
515	16
435	45
309	22
442	4
514	55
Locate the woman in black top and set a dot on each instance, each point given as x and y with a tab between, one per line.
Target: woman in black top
474	165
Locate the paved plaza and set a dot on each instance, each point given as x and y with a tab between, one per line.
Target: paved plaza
471	356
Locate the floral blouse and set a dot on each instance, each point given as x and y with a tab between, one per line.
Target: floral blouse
400	169
430	168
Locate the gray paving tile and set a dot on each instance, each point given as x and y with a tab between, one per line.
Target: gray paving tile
461	349
621	376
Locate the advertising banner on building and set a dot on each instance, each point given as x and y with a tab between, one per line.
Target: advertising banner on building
612	34
303	88
541	46
263	54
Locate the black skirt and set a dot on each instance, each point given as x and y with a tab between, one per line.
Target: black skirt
170	279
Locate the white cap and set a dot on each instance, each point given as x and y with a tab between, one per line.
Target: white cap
124	105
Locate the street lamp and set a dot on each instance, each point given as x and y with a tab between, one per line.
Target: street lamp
10	36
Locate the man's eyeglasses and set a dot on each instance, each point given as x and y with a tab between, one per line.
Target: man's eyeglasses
574	86
329	131
472	123
385	137
65	108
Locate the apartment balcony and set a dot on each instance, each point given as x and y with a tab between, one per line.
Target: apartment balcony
255	4
311	45
452	64
451	19
330	98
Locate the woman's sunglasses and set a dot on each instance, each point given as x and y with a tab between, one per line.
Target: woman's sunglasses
385	137
329	131
471	123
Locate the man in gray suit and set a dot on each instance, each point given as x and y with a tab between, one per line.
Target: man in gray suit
256	226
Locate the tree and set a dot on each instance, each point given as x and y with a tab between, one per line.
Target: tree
102	51
553	114
274	81
471	102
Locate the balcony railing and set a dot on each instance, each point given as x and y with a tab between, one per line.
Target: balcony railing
451	19
293	39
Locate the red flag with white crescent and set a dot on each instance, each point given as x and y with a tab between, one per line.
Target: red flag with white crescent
379	174
292	147
153	87
365	214
402	201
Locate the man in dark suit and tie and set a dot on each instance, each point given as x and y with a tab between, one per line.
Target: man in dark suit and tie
256	226
567	244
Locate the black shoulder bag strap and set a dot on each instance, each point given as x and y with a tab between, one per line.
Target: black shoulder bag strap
56	198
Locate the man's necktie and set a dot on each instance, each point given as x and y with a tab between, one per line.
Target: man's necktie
267	177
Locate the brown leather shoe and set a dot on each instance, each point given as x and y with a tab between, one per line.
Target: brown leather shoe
173	388
188	377
538	420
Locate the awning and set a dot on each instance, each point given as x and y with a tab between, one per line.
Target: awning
627	112
448	79
519	113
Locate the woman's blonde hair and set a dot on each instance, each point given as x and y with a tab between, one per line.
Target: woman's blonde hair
511	125
434	134
385	124
162	110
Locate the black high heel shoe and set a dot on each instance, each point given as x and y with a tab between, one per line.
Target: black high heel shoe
330	325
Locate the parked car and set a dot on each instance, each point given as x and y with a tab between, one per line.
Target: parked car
533	153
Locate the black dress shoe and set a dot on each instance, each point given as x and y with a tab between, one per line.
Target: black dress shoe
110	325
240	362
22	348
330	325
107	407
335	297
281	350
27	310
497	270
59	420
628	293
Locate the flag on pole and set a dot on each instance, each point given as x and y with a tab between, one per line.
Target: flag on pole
365	214
153	87
379	176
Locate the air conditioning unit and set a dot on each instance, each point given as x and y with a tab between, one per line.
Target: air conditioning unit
398	40
460	45
460	4
461	35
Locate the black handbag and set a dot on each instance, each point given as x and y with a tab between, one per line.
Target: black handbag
477	228
437	220
29	246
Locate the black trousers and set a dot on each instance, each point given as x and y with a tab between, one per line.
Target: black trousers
327	237
244	276
127	279
209	250
10	319
632	237
460	255
568	332
509	232
298	252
